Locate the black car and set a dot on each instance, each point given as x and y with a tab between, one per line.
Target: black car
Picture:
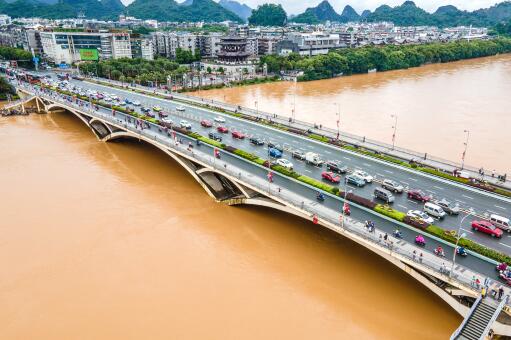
298	155
336	166
145	109
256	141
215	136
275	146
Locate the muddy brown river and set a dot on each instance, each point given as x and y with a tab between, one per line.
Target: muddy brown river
434	105
116	241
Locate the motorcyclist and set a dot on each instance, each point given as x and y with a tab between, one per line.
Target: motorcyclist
461	251
420	240
320	196
397	233
439	251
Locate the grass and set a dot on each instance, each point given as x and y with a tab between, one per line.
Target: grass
389	212
318	184
318	137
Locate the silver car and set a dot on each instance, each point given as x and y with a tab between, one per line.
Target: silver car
393	186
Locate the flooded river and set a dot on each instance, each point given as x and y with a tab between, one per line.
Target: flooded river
116	241
434	105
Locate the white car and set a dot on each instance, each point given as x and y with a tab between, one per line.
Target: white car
185	124
368	178
167	120
180	108
285	163
136	103
420	215
219	119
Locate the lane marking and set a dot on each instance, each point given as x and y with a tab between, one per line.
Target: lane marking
437	187
505	245
498	206
412	179
388	171
402	206
430	191
347	158
369	165
308	170
380	175
468	231
413	202
328	152
470	198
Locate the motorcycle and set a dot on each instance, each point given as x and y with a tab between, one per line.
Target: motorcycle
501	267
439	252
320	197
505	275
346	209
397	234
461	251
420	241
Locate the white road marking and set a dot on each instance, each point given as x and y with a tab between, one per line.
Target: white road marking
460	201
380	175
430	191
405	183
349	159
470	198
498	206
412	179
505	245
468	231
413	201
437	187
328	152
369	165
402	206
308	170
388	171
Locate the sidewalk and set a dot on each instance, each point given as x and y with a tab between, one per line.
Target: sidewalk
398	152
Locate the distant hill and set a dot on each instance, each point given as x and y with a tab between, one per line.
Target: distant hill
349	14
315	15
241	10
192	10
102	9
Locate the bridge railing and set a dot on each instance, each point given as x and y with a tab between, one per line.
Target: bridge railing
462	275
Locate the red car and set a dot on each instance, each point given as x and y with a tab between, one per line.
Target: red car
237	134
419	196
487	228
222	129
206	123
330	176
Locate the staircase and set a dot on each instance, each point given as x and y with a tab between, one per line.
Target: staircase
480	318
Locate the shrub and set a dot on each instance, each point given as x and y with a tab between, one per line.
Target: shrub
316	184
246	155
388	211
285	171
318	137
230	149
361	200
211	142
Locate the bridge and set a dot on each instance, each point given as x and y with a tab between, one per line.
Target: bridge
234	180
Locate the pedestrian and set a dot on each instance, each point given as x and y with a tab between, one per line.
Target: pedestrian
385	237
483	292
420	257
413	255
279	189
493	173
500	293
478	283
473	282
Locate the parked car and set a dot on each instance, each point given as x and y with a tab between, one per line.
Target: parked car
448	207
219	119
487	228
336	166
434	210
238	135
298	155
330	176
272	152
185	124
256	141
222	129
157	108
275	146
421	215
418	195
180	108
392	186
368	178
215	136
206	123
356	180
285	163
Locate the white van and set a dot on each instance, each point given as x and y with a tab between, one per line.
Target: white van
501	222
434	210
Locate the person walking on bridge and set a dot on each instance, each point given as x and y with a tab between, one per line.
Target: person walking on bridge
500	293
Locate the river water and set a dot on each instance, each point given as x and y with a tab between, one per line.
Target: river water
434	105
116	241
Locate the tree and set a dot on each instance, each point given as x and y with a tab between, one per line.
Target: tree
184	56
6	89
268	15
209	70
221	70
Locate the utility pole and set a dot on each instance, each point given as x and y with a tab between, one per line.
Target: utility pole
394	133
465	150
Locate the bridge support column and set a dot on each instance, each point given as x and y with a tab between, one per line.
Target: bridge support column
37	104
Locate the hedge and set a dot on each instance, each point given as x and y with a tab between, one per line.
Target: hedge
318	184
211	142
285	171
318	137
361	200
246	155
388	211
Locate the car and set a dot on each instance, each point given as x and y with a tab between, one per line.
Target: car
418	195
336	166
368	178
215	136
222	129
180	108
487	228
275	146
219	119
355	179
421	215
150	114
136	103
448	207
167	120
121	104
206	123
185	124
127	101
237	134
145	109
298	155
256	141
393	186
272	152
157	108
331	177
285	163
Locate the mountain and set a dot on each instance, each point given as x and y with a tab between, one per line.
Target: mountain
170	10
349	14
365	14
102	9
408	14
321	13
241	10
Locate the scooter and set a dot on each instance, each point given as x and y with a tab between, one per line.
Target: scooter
420	241
320	197
461	251
440	253
397	234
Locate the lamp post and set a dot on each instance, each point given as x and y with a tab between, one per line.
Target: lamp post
394	133
345	194
338	122
465	150
458	237
256	103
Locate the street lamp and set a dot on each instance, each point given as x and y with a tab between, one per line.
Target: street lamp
257	107
458	237
394	133
345	194
338	122
465	150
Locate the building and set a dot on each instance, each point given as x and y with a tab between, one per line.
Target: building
235	57
166	43
267	45
5	20
142	47
308	44
71	47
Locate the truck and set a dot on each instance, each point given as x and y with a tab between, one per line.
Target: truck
313	158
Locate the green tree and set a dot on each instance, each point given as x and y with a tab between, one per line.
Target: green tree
268	15
6	89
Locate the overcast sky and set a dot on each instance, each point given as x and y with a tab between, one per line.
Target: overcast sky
298	6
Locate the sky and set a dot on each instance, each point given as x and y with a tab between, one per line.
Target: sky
298	6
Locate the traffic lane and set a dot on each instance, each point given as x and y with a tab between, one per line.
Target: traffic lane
382	224
448	191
